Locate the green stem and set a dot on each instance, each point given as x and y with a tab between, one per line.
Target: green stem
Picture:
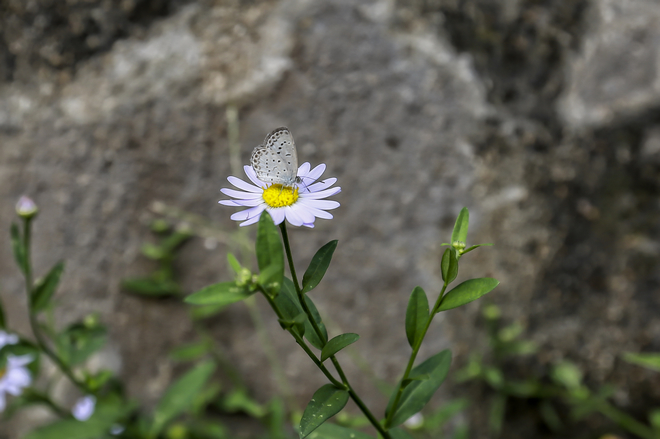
626	421
301	298
34	324
301	342
413	356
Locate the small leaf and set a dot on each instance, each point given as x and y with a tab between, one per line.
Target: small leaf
78	341
648	360
337	344
269	248
44	288
461	226
190	352
418	393
469	249
310	333
147	286
233	263
180	395
417	315
18	247
326	402
318	266
223	293
449	266
467	292
422	377
334	431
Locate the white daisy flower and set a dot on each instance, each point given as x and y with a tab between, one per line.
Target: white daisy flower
7	338
300	204
83	409
14	377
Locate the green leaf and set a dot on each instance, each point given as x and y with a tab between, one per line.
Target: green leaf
240	401
449	265
223	293
418	393
337	344
467	292
180	395
106	413
567	374
647	360
496	415
334	431
44	288
77	342
147	286
269	248
310	333
318	266
421	377
191	351
461	227
233	263
18	247
417	315
326	402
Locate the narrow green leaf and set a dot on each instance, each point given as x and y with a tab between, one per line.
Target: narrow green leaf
467	292
18	247
337	344
417	315
189	352
418	393
334	431
469	249
647	360
422	377
318	266
270	252
449	265
233	263
461	226
326	402
496	415
223	293
45	287
180	395
147	286
310	333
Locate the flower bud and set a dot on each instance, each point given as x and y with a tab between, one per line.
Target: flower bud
26	208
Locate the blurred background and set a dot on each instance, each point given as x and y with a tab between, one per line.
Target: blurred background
540	116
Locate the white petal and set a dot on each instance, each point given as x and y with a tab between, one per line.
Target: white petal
248	213
323	184
277	214
249	203
249	222
303	169
292	217
243	184
240	195
305	214
316	173
229	203
319	213
322	194
319	204
253	176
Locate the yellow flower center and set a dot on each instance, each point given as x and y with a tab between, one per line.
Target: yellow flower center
3	371
279	196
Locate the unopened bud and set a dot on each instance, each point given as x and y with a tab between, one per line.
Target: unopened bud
26	208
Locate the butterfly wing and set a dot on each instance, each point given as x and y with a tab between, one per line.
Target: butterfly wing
276	160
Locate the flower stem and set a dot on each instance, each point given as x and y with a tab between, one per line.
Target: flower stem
34	324
301	342
413	356
345	383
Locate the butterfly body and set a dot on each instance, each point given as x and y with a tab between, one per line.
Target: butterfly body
276	161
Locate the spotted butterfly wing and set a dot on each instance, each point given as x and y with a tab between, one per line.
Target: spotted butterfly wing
276	160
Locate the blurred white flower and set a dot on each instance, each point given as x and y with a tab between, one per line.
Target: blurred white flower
7	338
14	377
415	421
83	409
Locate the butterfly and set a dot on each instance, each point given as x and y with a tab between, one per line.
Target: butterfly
276	161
